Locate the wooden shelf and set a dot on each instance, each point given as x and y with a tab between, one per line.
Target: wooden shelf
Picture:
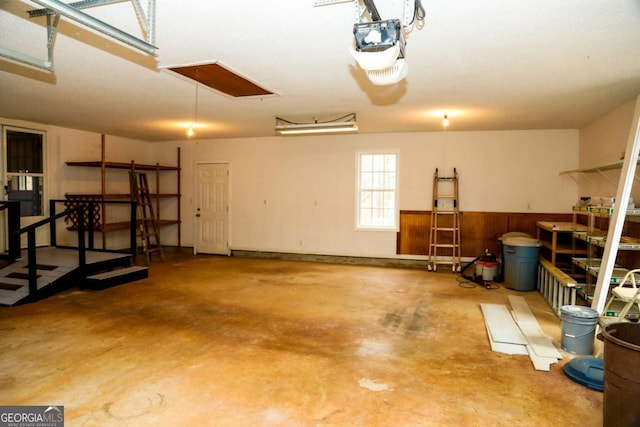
107	226
124	225
556	238
560	227
118	196
127	166
563	248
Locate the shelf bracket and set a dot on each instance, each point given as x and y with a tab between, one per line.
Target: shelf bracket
54	9
617	220
47	65
602	174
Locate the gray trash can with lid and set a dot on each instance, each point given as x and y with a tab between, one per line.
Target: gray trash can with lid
521	262
500	277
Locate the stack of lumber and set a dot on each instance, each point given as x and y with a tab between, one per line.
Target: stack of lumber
518	332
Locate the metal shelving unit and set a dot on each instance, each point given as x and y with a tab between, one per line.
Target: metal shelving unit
614	232
596	242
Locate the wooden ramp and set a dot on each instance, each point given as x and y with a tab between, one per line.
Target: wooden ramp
58	269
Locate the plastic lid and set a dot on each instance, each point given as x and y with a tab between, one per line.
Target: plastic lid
521	241
514	234
588	371
579	311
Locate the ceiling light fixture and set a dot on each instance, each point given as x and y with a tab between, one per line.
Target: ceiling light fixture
342	124
445	121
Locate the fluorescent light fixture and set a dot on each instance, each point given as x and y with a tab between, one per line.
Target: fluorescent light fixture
339	125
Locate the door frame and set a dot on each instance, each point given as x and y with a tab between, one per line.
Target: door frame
197	200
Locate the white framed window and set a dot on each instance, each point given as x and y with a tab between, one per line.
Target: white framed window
377	190
24	169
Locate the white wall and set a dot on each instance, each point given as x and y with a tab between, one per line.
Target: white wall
296	194
603	142
66	145
63	145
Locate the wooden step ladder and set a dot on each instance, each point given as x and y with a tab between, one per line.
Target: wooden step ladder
444	234
147	222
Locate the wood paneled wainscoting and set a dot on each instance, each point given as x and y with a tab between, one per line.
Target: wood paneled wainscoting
478	230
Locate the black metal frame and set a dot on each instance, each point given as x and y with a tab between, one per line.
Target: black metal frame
91	229
13	218
15	233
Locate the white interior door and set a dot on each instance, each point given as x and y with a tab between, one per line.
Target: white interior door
212	209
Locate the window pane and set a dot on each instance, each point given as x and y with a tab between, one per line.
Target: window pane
27	190
366	163
389	182
375	217
378	180
365	217
389	217
375	200
24	152
389	200
366	199
378	163
25	171
366	181
377	190
390	162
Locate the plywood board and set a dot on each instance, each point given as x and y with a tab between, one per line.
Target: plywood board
540	343
508	348
540	363
500	324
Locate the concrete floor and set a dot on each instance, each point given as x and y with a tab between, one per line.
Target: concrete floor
218	341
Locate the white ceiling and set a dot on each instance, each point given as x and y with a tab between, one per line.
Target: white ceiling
491	65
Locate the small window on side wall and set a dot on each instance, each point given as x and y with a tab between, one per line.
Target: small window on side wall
377	190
